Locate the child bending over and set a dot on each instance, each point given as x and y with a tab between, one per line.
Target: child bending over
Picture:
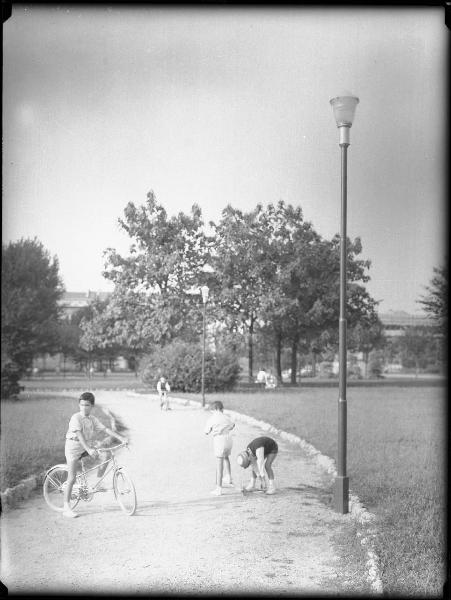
260	453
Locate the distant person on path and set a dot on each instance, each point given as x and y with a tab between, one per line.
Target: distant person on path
220	426
271	381
261	378
163	389
82	428
260	453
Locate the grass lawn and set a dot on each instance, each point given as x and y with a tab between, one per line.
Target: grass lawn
396	465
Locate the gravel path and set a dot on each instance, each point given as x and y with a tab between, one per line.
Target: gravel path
181	539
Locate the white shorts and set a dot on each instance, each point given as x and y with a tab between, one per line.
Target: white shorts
73	450
222	445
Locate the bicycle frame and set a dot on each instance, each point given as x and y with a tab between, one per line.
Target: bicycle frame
164	399
81	477
55	481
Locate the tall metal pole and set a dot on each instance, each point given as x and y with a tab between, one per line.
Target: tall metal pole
342	481
203	353
344	107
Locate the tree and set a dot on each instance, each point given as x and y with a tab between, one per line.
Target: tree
243	263
435	302
69	339
366	336
150	305
70	336
304	298
277	274
111	329
31	288
415	346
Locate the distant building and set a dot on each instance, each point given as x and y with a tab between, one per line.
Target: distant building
396	322
73	301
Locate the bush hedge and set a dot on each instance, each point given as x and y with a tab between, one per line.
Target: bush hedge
10	376
181	364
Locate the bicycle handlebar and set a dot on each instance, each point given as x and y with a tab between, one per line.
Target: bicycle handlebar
121	445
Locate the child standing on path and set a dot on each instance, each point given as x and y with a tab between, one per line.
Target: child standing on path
220	426
82	428
260	453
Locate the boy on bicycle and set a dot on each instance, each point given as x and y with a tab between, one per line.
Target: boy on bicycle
163	390
82	428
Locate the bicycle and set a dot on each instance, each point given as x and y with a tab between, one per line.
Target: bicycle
124	490
164	400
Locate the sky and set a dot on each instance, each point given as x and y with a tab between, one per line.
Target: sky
218	106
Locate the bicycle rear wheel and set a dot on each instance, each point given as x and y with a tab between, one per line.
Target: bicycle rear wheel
124	491
54	485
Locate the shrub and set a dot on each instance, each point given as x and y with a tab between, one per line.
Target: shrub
376	365
354	372
432	369
181	364
11	374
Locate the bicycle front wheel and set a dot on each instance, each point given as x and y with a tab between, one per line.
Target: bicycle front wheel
55	482
124	491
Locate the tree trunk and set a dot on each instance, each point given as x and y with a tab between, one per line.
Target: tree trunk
313	364
251	351
279	357
294	360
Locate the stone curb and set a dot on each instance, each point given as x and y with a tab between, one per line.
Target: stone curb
357	511
11	497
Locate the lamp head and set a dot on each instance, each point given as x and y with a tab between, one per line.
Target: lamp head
344	108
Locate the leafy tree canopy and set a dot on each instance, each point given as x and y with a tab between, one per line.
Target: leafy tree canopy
31	288
150	304
167	253
435	301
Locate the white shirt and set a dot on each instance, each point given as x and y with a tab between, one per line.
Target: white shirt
261	376
219	424
88	426
160	387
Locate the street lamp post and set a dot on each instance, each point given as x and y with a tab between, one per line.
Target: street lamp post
344	107
204	291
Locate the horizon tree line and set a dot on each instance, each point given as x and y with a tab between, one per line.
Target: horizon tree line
270	275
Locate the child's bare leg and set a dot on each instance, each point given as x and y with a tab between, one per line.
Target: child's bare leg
268	466
72	472
251	484
227	468
219	470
